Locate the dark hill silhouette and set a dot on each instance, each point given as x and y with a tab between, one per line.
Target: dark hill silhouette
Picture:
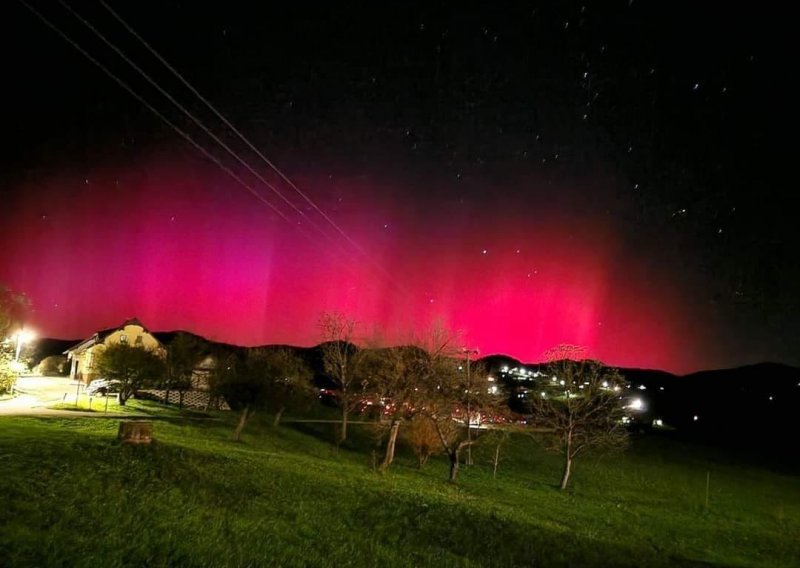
747	406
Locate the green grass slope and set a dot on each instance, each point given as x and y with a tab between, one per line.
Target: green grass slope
71	496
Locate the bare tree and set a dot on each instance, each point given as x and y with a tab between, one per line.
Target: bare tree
448	393
499	436
395	379
501	419
579	405
341	359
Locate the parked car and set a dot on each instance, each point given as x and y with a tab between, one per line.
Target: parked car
102	387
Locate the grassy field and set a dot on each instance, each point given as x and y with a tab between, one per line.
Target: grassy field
132	406
286	497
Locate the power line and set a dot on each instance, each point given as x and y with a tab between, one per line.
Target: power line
152	109
241	136
232	127
193	118
197	145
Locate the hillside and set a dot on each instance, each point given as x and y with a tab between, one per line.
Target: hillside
287	497
743	406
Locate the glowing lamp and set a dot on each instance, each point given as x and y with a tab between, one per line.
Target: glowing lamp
22	337
636	404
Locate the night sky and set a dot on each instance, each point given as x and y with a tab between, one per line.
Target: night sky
614	176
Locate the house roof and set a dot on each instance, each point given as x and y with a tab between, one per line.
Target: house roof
100	336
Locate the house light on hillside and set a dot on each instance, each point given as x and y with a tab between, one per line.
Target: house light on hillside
636	404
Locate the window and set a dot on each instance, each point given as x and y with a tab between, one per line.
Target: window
123	338
139	341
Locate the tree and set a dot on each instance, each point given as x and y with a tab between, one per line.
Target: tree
12	309
13	306
447	392
184	353
8	375
341	360
395	381
53	366
421	436
579	407
231	381
289	380
499	436
133	367
260	378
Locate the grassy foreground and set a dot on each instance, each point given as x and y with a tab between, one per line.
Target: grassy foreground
102	406
285	497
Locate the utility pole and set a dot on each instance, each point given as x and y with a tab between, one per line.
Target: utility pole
469	352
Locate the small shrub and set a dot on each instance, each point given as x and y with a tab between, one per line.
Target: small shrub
53	366
420	435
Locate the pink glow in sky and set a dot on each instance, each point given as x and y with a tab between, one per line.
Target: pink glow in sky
183	247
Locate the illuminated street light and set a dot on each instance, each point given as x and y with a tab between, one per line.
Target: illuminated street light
22	336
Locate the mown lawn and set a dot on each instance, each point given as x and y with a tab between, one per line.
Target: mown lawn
132	406
286	497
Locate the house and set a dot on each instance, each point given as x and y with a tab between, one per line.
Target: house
202	372
82	357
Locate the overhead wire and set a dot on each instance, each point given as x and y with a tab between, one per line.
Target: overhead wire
155	111
199	123
235	130
191	116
